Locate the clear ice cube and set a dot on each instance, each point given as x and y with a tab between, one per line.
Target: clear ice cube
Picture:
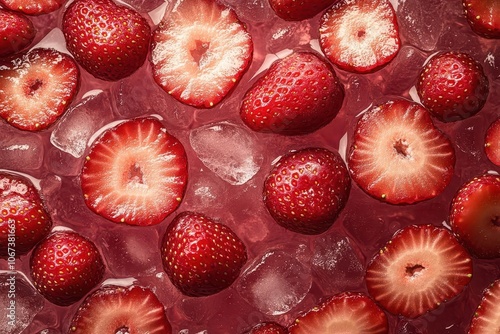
19	150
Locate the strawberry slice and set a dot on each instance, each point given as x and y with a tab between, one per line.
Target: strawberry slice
37	87
16	32
487	316
453	86
117	309
398	156
346	312
267	328
272	103
293	10
135	173
200	51
483	17
417	270
360	36
31	7
475	215
200	256
492	142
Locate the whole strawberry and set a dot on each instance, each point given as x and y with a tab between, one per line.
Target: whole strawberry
16	32
31	7
293	10
108	40
483	17
297	95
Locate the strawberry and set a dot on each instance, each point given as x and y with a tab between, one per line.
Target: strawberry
23	218
398	156
421	267
483	17
200	51
293	10
31	7
117	309
298	94
109	41
360	35
65	267
453	86
492	142
307	189
16	32
267	328
200	256
36	87
475	215
346	312
487	316
135	173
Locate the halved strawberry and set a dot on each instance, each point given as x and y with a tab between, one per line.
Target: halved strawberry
135	173
293	10
16	32
200	51
398	156
487	316
23	218
421	267
475	215
108	40
453	86
36	87
201	256
347	312
492	142
360	35
307	189
483	17
31	7
117	309
267	328
299	94
65	267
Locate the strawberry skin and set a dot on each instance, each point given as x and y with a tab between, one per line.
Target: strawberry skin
65	267
307	189
109	41
421	267
16	32
293	10
492	142
267	328
297	95
200	256
483	17
31	7
22	215
475	215
487	316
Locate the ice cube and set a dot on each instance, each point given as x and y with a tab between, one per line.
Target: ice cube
283	34
252	10
20	151
142	5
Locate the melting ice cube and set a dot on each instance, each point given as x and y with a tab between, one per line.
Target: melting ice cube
21	151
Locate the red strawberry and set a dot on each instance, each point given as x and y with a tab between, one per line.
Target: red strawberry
298	95
398	156
346	312
23	218
31	7
110	41
200	51
307	189
200	256
453	86
116	309
267	328
487	316
417	270
492	142
16	32
293	10
360	35
475	215
483	17
135	173
65	267
37	87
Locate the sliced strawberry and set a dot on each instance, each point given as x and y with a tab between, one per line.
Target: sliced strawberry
200	256
360	36
200	51
417	270
267	328
483	17
65	267
16	32
298	95
492	142
307	189
23	218
116	309
293	10
487	316
37	87
31	7
109	41
346	312
398	156
453	86
135	173
475	215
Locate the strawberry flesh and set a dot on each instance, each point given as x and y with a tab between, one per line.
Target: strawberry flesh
31	7
483	17
487	316
294	10
16	32
492	142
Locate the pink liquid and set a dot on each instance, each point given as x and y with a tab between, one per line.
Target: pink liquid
367	223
